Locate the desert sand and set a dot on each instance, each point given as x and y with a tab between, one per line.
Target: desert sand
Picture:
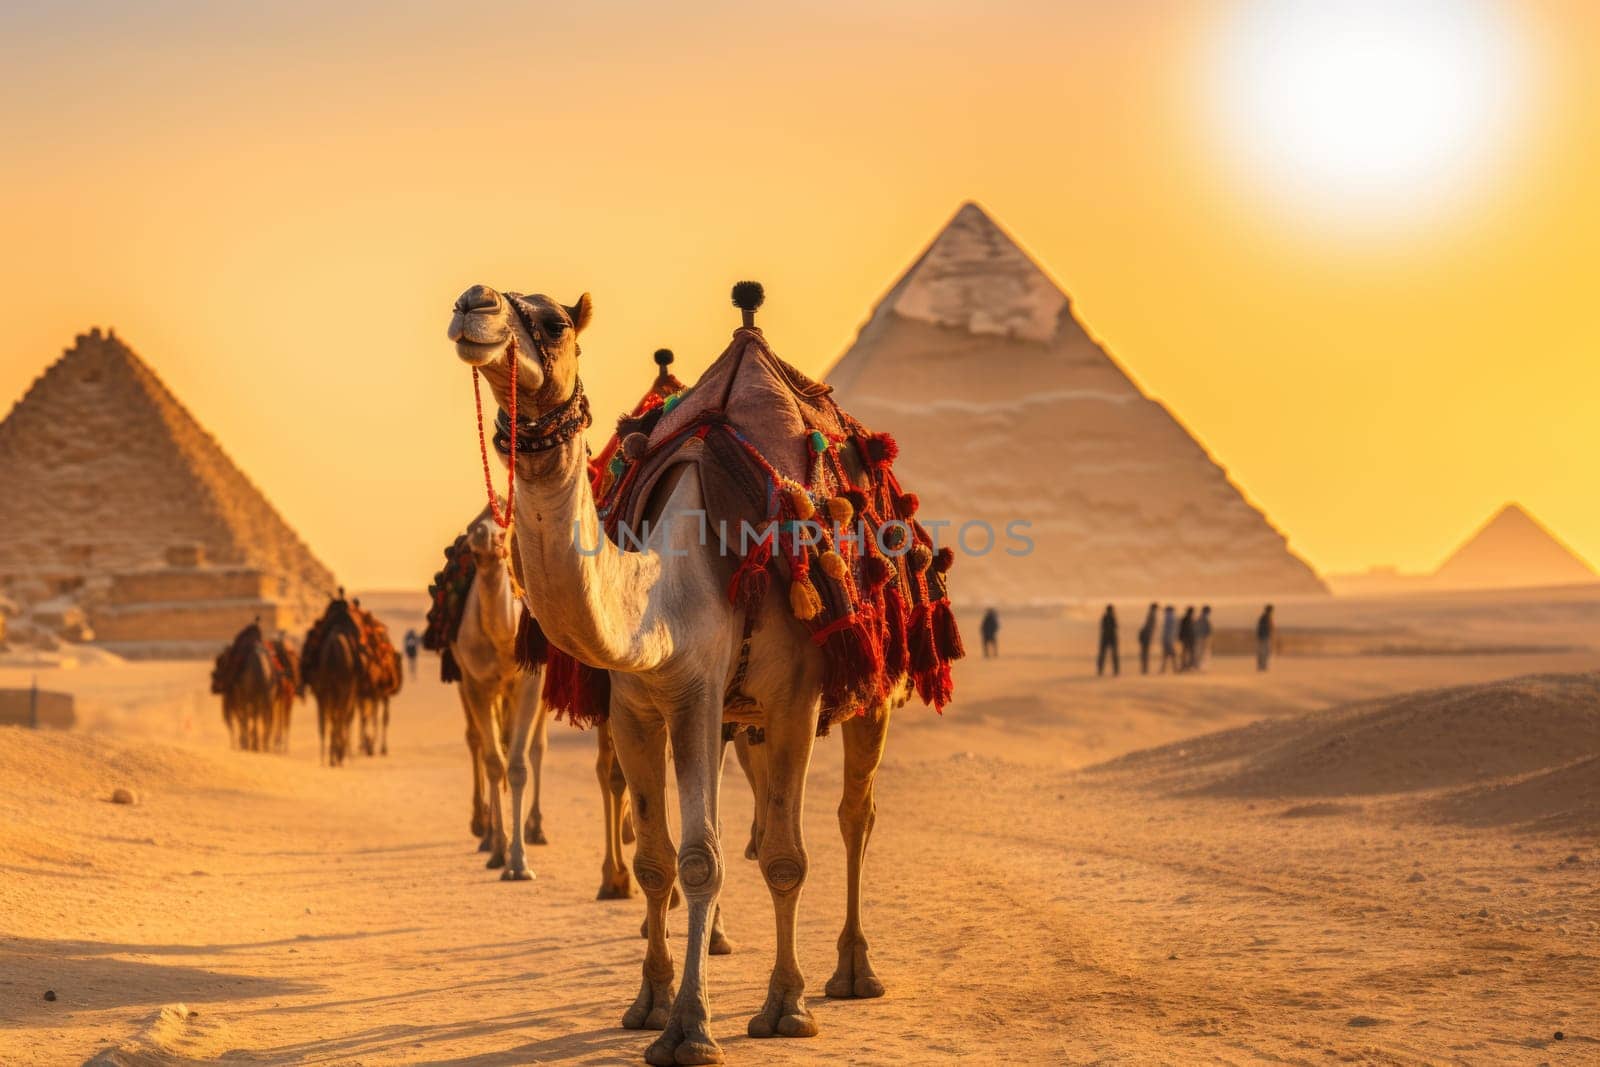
1385	850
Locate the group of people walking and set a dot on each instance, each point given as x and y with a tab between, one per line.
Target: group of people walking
1185	640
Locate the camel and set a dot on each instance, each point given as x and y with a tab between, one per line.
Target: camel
250	681
375	711
660	620
256	680
332	669
507	722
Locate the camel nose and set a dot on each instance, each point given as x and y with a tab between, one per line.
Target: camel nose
478	298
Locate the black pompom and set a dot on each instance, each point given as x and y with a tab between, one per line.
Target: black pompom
747	296
663	357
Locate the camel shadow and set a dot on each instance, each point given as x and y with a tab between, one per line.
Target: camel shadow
84	976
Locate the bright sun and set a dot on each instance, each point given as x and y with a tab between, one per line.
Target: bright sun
1368	113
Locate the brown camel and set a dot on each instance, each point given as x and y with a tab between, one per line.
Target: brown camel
331	667
251	681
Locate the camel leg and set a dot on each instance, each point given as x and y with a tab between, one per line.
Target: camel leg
384	749
614	882
753	761
641	748
719	944
524	707
864	738
783	864
480	813
697	759
534	833
322	732
485	706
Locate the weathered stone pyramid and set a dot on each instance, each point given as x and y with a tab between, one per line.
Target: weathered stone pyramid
1006	410
1512	549
116	500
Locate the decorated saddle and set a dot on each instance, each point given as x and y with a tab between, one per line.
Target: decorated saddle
447	601
798	491
378	672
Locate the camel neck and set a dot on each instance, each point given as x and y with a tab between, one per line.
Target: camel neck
591	599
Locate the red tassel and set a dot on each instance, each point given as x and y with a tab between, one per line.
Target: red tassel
946	636
852	667
880	449
531	647
896	659
594	687
924	658
449	669
752	579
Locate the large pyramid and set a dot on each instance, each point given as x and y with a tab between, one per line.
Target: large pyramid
1512	549
118	502
1007	410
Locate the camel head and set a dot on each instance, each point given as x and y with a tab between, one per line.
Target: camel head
487	541
489	328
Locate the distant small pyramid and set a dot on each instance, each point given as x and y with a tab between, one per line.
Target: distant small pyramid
1513	549
1006	409
103	472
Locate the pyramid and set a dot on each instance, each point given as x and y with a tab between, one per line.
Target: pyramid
116	498
1006	410
1512	549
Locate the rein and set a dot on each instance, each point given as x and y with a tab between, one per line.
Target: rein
502	521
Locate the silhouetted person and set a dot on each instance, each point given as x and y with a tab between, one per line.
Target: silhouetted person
1186	639
1169	638
1147	634
412	645
1108	644
1202	638
990	628
1265	629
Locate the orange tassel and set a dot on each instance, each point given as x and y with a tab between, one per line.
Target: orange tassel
834	566
841	511
801	502
803	600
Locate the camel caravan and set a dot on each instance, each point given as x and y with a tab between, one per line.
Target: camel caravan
739	564
348	662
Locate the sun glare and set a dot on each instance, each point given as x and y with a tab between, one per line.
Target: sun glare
1381	114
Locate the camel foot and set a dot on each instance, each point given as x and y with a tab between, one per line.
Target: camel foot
484	844
783	1015
651	1008
534	835
615	886
497	859
516	874
753	849
684	1044
854	977
480	825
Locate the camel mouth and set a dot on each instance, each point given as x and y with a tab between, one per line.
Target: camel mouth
479	353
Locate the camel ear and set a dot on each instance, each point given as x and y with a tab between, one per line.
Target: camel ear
580	313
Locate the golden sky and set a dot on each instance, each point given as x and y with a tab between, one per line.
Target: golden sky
277	204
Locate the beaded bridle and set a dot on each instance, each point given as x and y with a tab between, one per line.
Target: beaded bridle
513	434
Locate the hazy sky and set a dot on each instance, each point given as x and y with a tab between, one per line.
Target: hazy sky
1360	266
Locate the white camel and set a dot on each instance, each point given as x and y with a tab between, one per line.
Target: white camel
501	699
661	622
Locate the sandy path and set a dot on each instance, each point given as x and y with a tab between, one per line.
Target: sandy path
1022	910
